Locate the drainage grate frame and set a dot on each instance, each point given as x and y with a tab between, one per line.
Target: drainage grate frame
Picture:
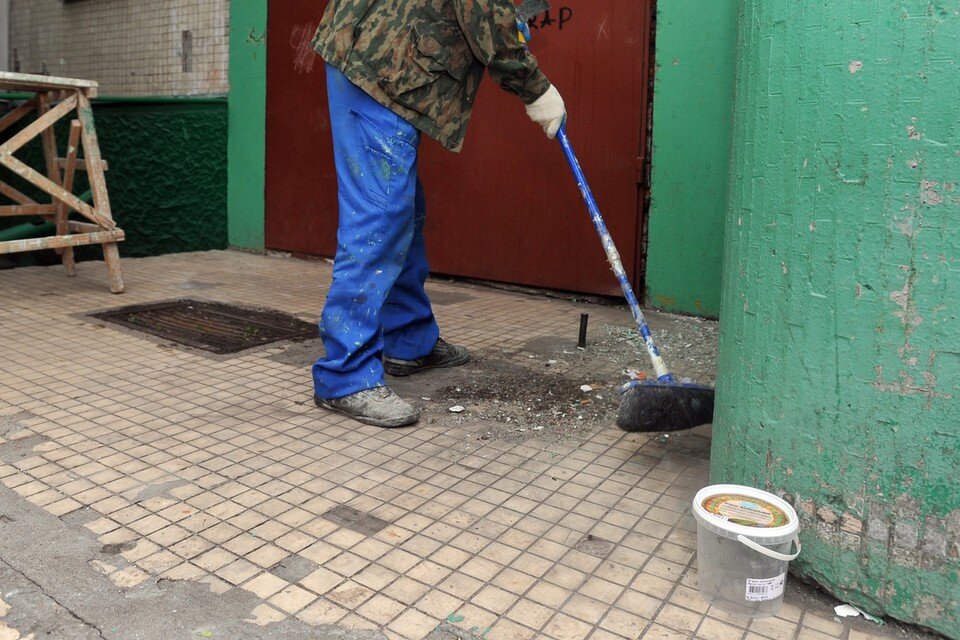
211	326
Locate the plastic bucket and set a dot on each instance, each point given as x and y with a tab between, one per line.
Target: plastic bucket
744	547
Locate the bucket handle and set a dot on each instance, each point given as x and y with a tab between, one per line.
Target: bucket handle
770	553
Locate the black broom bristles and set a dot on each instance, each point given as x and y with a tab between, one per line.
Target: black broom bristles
661	407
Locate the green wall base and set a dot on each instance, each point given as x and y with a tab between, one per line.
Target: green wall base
167	176
692	121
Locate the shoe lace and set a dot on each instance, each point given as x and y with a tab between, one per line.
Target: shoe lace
380	392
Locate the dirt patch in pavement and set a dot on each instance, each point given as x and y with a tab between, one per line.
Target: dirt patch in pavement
519	399
550	389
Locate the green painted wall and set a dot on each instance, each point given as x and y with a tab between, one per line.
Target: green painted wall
692	120
167	177
248	104
839	372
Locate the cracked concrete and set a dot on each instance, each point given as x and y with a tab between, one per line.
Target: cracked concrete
54	592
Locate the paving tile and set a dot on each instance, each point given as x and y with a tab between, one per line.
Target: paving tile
292	598
320	552
267	555
678	618
406	590
375	577
265	585
565	576
548	594
101	525
711	629
804	634
381	609
141	549
439	603
129	577
601	634
159	562
774	628
624	624
460	585
563	627
322	612
476	618
653	585
602	590
191	547
321	581
659	632
531	565
184	571
819	623
216	471
214	559
413	624
494	599
350	595
450	557
480	568
530	613
514	581
238	571
264	615
508	630
429	572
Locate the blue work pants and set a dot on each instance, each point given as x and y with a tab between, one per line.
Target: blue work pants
376	304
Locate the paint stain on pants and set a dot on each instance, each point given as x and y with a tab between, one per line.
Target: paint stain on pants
376	304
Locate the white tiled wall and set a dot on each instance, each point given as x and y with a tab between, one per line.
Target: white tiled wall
4	33
132	47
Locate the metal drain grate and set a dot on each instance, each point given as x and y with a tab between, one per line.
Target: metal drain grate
212	326
594	546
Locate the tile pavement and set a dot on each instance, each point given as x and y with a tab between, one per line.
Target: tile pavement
218	469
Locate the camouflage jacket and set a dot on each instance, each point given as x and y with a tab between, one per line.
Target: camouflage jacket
424	59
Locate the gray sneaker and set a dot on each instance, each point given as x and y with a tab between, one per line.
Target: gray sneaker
379	406
443	355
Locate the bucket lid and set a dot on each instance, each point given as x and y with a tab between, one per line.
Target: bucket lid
732	509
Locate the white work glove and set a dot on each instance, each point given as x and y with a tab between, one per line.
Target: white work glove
548	111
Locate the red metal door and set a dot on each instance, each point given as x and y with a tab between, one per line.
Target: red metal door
506	209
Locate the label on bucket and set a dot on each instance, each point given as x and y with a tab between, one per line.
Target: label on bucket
746	511
763	589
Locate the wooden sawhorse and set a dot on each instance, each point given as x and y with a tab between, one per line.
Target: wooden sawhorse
54	99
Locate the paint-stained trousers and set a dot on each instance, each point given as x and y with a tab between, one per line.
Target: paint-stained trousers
376	304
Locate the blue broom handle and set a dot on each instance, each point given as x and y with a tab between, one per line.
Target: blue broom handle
613	256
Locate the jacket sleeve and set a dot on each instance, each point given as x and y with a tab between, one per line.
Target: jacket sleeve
490	28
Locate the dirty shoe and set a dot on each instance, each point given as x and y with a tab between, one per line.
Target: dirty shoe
444	354
379	406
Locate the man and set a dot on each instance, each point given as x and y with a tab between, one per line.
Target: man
396	68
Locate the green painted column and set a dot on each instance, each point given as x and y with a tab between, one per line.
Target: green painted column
247	123
839	372
692	125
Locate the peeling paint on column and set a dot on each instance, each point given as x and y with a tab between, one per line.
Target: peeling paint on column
839	386
929	194
907	312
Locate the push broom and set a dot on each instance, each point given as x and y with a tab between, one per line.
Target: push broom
664	404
